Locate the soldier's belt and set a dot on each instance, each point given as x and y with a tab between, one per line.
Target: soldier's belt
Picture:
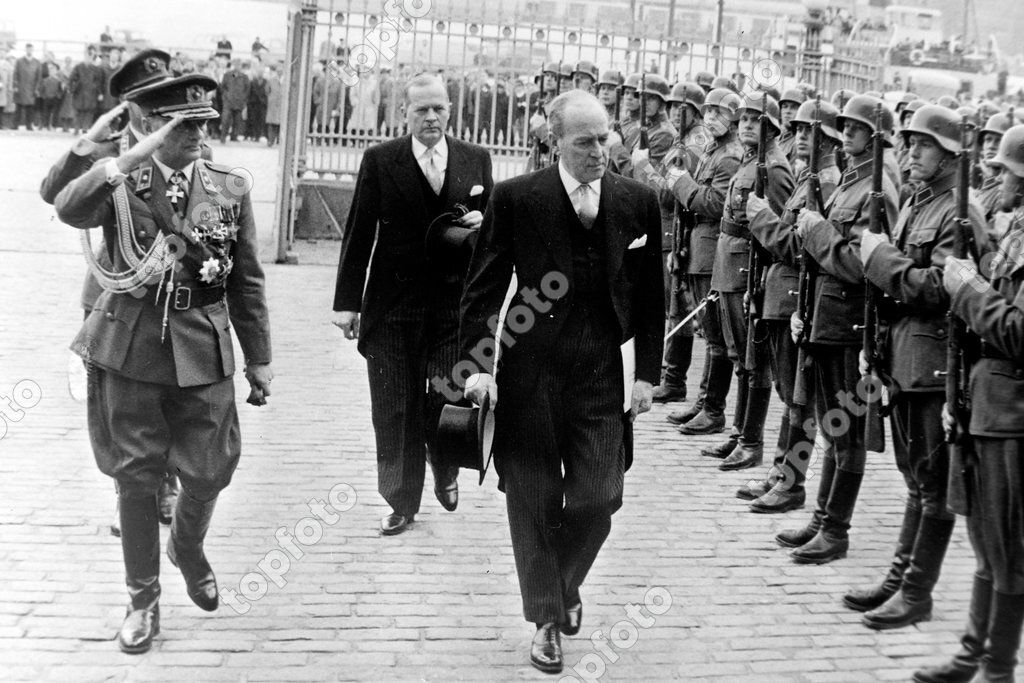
734	229
183	298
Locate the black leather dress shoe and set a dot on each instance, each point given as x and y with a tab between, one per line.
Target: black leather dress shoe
573	619
684	415
666	394
779	500
743	458
138	629
546	649
703	423
446	489
394	524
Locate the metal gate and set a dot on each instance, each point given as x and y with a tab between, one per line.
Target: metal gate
349	60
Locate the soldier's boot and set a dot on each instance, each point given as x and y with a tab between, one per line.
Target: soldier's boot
678	357
1004	632
865	599
751	445
167	497
787	492
755	488
832	540
185	549
725	448
711	418
140	544
683	415
912	603
795	538
965	663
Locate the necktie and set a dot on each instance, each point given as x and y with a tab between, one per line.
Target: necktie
178	192
432	172
586	206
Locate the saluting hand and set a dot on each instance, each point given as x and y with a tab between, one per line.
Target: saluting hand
143	149
104	125
957	272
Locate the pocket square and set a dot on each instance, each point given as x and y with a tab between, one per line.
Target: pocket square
475	190
639	242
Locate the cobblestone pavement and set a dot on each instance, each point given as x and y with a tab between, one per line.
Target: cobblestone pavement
438	603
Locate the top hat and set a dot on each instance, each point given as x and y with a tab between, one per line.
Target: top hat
143	69
186	96
465	436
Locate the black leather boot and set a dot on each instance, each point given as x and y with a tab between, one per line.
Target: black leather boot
864	599
788	472
794	538
912	603
140	544
1004	631
711	417
678	357
832	540
964	665
185	549
751	445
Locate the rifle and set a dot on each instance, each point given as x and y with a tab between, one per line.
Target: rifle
957	373
537	154
874	427
977	176
644	142
840	154
755	262
552	147
617	123
808	269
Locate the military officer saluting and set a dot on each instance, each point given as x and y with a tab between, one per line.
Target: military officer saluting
180	235
994	310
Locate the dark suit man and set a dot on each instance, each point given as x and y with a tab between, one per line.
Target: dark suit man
179	232
235	96
28	74
586	250
403	307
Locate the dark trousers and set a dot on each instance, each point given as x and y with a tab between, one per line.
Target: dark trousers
996	522
562	464
139	430
679	348
755	370
26	115
412	345
922	456
232	125
48	118
839	410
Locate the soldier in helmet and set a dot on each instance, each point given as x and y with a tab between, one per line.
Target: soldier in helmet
661	135
788	106
701	197
608	92
992	310
908	268
704	79
725	82
745	445
783	488
630	121
830	238
566	75
685	101
989	194
584	76
547	87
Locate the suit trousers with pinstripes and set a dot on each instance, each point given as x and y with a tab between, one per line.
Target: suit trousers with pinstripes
411	345
563	476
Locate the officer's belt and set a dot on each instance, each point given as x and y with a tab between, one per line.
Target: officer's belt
734	229
182	298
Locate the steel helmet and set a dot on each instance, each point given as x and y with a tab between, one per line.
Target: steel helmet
1011	152
970	112
764	104
905	99
940	123
810	111
688	92
948	101
793	96
610	77
861	108
654	84
841	97
988	108
565	70
725	82
586	69
704	79
632	81
998	124
725	101
549	68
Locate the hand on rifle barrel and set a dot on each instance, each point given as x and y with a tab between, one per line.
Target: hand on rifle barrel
957	272
869	241
755	205
948	421
796	326
805	220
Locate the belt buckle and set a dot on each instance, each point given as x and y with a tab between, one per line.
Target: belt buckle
182	293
